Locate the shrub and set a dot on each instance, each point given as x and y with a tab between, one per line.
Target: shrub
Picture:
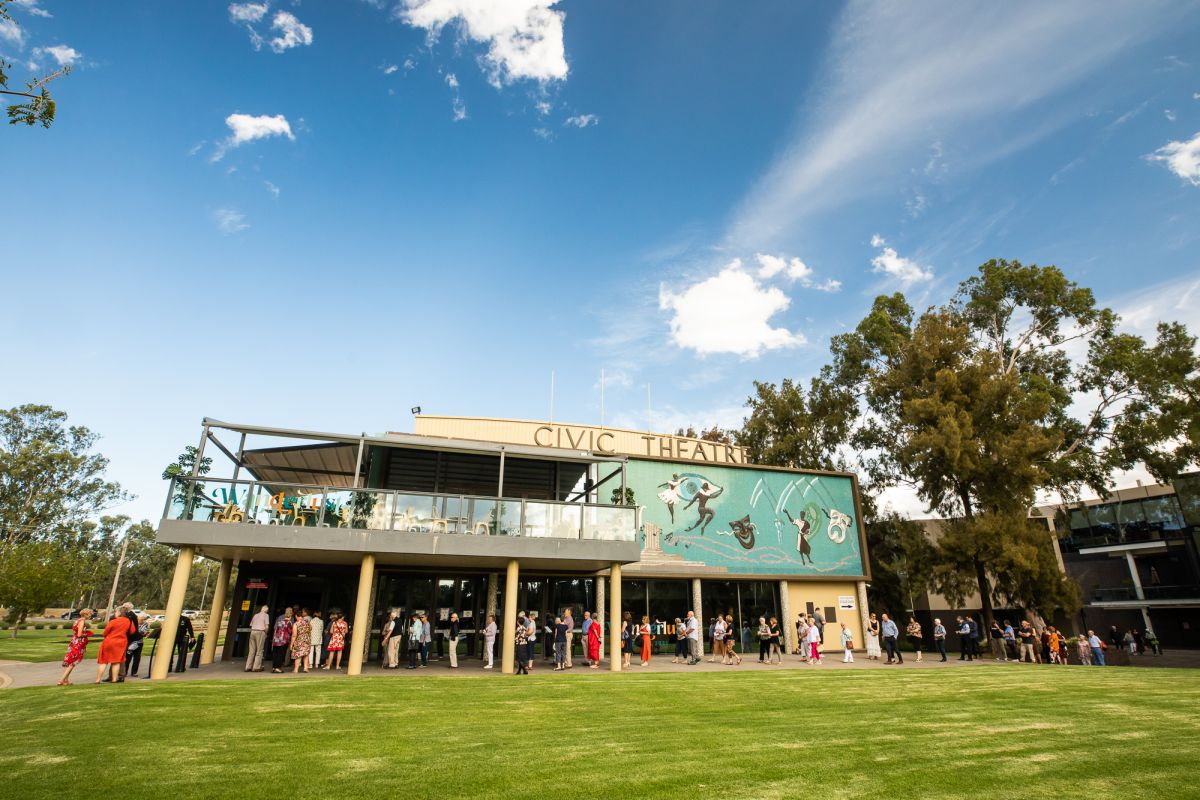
37	627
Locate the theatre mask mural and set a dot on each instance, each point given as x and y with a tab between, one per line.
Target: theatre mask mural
719	519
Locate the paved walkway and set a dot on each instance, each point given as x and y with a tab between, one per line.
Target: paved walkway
18	674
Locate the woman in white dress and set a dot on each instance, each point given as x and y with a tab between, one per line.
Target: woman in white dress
873	650
670	494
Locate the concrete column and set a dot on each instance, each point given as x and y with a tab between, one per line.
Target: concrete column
863	614
696	606
214	615
1133	573
362	615
493	584
785	611
614	619
166	639
508	630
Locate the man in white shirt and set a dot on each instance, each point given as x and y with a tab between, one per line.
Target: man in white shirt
259	624
391	641
693	638
489	640
318	638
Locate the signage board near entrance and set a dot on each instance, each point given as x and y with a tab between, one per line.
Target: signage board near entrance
256	583
846	602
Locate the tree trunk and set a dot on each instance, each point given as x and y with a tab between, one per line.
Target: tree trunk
985	595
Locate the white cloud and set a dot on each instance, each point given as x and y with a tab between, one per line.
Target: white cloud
229	220
794	270
1169	114
247	128
888	262
409	64
543	133
459	109
582	120
12	32
292	32
1182	158
543	107
452	80
65	56
729	312
898	72
272	188
524	37
390	69
247	12
31	7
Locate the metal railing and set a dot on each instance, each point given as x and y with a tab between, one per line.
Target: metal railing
1109	594
306	505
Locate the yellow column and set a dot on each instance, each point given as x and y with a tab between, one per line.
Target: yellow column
208	654
166	638
508	630
614	618
362	625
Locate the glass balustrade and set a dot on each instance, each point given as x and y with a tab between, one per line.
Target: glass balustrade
296	505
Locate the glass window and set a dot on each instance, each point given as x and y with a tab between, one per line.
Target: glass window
1163	513
1079	521
1104	519
1132	518
668	600
1187	489
577	593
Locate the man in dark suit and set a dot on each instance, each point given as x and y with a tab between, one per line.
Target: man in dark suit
184	636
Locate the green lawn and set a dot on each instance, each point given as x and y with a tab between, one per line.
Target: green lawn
994	731
31	645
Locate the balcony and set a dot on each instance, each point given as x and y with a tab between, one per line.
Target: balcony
1152	595
297	521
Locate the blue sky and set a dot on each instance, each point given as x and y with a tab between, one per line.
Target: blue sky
320	214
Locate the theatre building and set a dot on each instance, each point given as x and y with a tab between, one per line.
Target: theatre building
486	516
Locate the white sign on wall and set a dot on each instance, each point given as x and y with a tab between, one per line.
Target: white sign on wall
846	602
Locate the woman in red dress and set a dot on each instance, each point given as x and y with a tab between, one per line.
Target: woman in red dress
593	643
338	629
644	632
112	649
78	647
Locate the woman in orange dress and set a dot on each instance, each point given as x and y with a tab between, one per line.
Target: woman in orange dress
112	649
78	647
644	632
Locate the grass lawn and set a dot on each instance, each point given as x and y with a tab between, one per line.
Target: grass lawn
31	645
994	731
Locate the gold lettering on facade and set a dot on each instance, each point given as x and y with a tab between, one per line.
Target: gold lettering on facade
537	439
600	442
615	443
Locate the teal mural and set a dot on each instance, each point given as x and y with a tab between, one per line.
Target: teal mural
731	520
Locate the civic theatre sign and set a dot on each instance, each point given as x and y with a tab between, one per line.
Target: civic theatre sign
607	441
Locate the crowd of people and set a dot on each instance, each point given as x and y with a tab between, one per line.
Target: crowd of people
122	641
305	640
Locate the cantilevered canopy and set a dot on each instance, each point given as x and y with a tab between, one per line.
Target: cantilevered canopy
316	464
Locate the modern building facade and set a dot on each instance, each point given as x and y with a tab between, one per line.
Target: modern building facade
483	516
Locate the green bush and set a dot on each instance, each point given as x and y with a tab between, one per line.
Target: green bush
37	627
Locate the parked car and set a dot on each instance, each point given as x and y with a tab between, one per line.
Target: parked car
74	613
158	618
190	613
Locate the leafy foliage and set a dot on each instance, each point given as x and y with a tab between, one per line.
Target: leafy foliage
35	574
38	107
189	494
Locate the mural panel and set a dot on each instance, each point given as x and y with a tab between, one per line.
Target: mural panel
722	520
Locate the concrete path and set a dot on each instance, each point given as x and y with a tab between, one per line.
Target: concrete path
19	674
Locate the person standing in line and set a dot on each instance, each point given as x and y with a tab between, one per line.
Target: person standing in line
731	654
873	651
964	640
913	631
764	640
281	636
819	621
489	640
718	639
775	641
530	641
644	633
1140	641
1114	636
939	637
626	639
1083	651
137	640
1130	642
338	628
847	645
1046	646
522	644
81	632
569	621
680	642
802	637
584	628
890	634
317	635
389	640
452	640
1097	647
426	639
184	637
560	644
413	633
1027	637
260	623
973	635
1010	641
693	636
1152	640
301	642
814	644
594	635
112	648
